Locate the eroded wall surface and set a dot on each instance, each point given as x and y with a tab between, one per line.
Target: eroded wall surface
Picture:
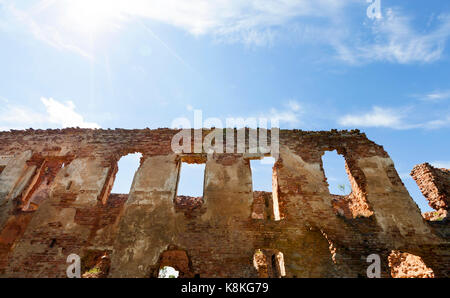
55	201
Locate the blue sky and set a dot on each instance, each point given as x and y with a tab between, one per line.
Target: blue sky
315	65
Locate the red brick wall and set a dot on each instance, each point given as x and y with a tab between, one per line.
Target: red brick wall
313	238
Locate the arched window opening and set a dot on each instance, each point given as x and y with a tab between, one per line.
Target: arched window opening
269	263
127	167
265	196
168	272
348	198
406	265
173	263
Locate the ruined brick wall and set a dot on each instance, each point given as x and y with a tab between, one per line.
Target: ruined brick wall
405	265
55	200
434	184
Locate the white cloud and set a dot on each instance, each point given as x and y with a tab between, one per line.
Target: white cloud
378	117
19	116
57	115
65	115
289	115
441	164
283	116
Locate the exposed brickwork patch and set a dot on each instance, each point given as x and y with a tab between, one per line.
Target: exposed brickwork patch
434	183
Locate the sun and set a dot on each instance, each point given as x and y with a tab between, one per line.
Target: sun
93	16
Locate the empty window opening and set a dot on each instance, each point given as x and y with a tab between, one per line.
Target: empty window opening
95	264
190	182
406	265
348	199
265	199
334	168
269	263
279	258
262	173
189	198
127	167
173	263
168	272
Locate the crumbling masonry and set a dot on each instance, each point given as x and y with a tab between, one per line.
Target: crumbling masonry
55	201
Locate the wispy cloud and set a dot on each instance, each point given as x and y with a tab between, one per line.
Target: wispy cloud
248	22
290	114
395	40
57	114
47	33
436	96
294	105
437	123
391	38
441	164
243	18
395	118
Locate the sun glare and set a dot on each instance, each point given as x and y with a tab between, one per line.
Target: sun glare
93	16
